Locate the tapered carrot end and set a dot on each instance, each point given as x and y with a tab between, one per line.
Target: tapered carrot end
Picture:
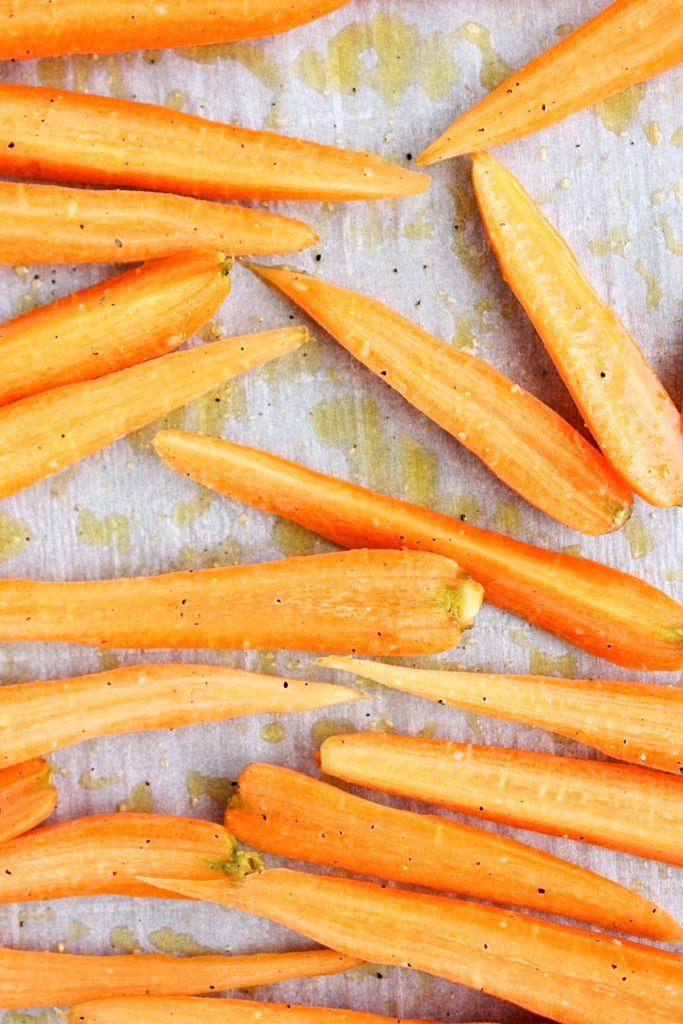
447	146
211	892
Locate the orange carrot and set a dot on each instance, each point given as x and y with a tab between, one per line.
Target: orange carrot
635	722
55	224
33	29
48	432
65	136
627	410
29	979
526	444
605	612
568	974
27	797
292	815
614	805
372	602
42	716
628	42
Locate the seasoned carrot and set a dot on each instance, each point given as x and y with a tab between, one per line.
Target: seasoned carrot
526	444
65	136
371	602
55	224
32	29
605	612
635	722
27	797
30	979
292	815
48	432
628	42
627	410
568	974
42	716
615	805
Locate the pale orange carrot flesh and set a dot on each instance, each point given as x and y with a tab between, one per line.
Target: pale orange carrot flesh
619	806
48	432
635	722
30	979
293	815
27	797
51	134
627	410
525	443
567	974
599	609
626	43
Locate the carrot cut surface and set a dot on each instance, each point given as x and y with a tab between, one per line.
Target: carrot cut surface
290	814
627	410
633	722
567	974
55	224
626	43
27	797
619	806
44	716
51	134
603	611
525	443
45	433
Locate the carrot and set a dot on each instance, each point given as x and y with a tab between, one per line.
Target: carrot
614	805
635	722
30	979
27	797
48	432
43	716
54	224
568	974
292	815
628	42
388	602
627	410
65	136
35	30
526	444
599	609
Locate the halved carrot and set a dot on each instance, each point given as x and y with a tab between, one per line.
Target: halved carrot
525	443
568	974
27	797
372	602
65	136
627	410
30	979
626	43
292	815
614	805
634	722
45	433
42	716
36	30
603	611
55	224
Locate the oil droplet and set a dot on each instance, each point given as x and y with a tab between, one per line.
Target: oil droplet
384	725
677	137
419	472
472	258
464	507
37	914
139	801
519	637
294	540
463	325
640	540
618	112
657	197
419	227
110	531
273	732
177	99
508	518
122	940
616	243
108	660
166	940
141	440
494	69
428	731
653	133
326	727
654	292
674	575
30	299
354	427
215	788
185	512
369	232
250	55
77	930
669	238
19	1017
226	552
542	664
87	780
14	536
575	550
564	29
52	72
207	414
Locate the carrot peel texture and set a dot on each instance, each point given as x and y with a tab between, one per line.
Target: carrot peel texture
27	797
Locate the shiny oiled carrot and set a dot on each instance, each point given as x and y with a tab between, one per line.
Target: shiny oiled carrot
627	410
295	816
626	43
525	443
27	797
599	609
51	134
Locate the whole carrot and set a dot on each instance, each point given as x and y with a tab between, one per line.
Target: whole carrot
628	42
292	815
627	410
65	136
599	609
27	797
